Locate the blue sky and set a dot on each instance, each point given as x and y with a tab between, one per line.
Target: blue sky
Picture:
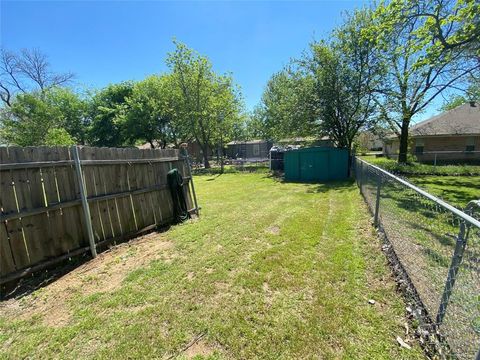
106	42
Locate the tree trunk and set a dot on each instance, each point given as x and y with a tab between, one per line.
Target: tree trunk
205	157
402	154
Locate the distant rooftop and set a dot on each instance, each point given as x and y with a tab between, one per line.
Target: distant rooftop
462	120
247	142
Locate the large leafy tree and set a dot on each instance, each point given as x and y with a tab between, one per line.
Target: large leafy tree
54	116
344	72
420	63
107	112
287	106
329	90
209	101
154	113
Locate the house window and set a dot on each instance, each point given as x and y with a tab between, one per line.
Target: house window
419	145
256	150
470	144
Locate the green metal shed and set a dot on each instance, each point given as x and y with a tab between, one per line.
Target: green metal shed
316	164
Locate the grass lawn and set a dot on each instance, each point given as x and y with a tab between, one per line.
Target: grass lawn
271	270
456	190
456	184
423	169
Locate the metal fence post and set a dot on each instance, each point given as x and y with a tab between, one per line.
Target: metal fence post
83	196
452	272
377	201
360	177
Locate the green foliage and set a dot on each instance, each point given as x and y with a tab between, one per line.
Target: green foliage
58	136
210	103
415	168
107	112
329	90
153	112
419	65
471	94
31	116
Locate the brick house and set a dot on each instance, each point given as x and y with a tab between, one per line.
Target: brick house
453	135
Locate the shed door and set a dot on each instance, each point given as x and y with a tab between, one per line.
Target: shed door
314	166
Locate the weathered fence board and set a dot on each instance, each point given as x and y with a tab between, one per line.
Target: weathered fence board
41	208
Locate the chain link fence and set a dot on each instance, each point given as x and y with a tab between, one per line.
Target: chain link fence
436	249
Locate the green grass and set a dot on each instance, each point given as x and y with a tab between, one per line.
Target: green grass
415	168
456	184
271	270
456	190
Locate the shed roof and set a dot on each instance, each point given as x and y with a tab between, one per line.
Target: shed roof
462	120
247	142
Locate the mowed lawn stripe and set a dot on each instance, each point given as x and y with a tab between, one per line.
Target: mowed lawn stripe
271	270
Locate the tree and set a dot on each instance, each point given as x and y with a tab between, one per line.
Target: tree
73	112
419	66
452	25
286	107
41	118
208	101
344	73
27	71
107	115
152	112
471	94
58	136
329	90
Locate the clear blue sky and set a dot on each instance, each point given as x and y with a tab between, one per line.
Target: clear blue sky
106	42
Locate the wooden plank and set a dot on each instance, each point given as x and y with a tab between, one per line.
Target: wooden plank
101	189
143	181
58	243
155	201
132	185
73	231
7	263
112	185
9	205
125	205
107	182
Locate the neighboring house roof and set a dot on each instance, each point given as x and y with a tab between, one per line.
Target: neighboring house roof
247	142
462	120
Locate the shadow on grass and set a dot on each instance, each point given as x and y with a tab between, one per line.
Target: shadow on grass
318	186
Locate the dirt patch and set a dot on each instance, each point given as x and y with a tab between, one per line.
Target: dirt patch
199	348
105	273
274	230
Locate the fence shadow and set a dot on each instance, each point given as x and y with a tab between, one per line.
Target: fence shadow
36	280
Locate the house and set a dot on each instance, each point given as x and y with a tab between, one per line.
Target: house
194	150
254	149
450	136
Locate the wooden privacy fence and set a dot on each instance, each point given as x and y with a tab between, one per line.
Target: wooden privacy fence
45	219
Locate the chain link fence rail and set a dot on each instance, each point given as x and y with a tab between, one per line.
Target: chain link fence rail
437	248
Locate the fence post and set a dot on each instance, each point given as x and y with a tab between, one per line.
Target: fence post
377	201
83	196
184	152
360	178
452	272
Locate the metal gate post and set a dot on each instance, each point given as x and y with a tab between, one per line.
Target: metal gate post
83	196
377	201
452	272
